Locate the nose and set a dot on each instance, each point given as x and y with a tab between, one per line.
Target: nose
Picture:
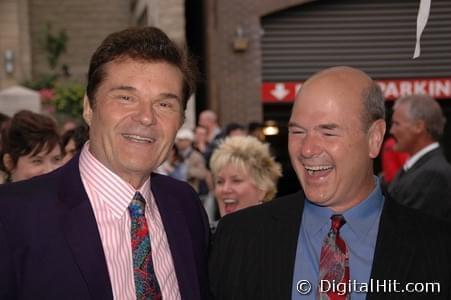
145	114
392	129
310	146
48	167
224	188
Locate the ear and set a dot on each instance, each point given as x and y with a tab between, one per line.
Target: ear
419	126
87	110
376	137
8	162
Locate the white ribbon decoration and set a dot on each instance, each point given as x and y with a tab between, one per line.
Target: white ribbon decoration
422	19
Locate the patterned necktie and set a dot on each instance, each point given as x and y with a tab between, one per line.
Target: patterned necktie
334	261
146	282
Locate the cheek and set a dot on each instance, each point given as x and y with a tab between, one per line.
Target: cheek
217	191
294	146
251	193
25	171
292	142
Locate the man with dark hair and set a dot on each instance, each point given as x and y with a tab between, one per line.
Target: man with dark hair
104	226
340	237
256	129
424	182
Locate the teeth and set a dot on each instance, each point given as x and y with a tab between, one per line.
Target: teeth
318	168
312	169
230	201
139	138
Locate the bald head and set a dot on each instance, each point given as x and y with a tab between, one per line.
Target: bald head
351	77
348	85
330	150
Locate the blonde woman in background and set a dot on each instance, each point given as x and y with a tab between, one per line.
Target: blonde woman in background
244	173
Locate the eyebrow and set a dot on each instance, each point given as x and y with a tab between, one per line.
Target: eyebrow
133	89
330	126
169	95
293	124
122	88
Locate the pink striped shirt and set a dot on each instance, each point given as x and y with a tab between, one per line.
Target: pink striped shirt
110	197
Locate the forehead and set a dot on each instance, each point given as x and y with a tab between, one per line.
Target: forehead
401	114
328	102
124	70
232	167
201	130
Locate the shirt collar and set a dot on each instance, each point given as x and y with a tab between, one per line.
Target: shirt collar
412	160
359	219
111	189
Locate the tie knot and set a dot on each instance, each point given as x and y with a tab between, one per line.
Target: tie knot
137	205
337	222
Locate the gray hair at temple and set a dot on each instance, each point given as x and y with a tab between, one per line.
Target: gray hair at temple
373	105
425	108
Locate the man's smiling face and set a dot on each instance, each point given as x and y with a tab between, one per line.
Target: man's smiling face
136	115
330	150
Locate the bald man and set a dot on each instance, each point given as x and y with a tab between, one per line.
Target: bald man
341	237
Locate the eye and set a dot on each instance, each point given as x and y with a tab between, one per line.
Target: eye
125	98
170	104
219	181
57	158
36	161
166	104
237	180
296	130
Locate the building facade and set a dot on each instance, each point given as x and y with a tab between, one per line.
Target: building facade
85	22
259	55
257	51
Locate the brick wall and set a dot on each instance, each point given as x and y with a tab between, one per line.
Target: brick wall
168	15
234	78
87	23
14	36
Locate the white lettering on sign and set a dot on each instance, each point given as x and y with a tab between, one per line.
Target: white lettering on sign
438	88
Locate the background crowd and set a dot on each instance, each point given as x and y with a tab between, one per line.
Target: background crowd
33	144
104	209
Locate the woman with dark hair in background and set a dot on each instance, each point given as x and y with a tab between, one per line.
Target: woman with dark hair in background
73	140
3	121
30	146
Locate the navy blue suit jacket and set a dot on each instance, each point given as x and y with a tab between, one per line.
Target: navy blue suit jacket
254	251
50	246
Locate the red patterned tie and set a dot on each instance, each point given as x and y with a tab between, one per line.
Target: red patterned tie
334	261
146	282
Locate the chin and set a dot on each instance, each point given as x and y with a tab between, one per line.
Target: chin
316	198
139	167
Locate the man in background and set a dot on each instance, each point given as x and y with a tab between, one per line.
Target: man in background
209	120
104	226
196	170
424	182
341	228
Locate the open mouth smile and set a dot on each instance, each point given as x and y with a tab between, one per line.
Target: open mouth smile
138	138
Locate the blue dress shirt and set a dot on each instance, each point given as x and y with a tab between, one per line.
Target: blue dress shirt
359	233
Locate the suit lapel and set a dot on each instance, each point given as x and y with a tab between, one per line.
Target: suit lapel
394	185
179	239
428	156
393	256
80	227
281	237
